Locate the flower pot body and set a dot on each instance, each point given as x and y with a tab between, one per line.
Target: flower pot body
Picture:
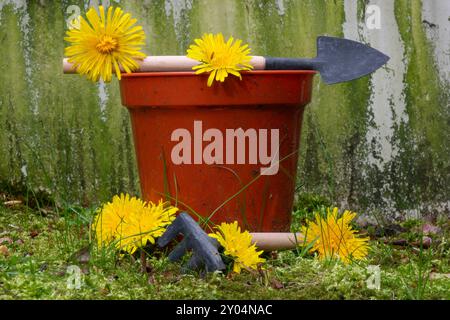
263	104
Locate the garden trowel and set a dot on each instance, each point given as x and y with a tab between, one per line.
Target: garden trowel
338	60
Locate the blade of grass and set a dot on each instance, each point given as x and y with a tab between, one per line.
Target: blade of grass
242	205
200	217
244	188
166	178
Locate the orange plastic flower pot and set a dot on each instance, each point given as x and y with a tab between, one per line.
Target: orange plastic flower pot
189	149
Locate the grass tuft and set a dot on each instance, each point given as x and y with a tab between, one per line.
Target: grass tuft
41	248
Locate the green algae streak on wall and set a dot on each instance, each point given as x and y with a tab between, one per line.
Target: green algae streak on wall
376	144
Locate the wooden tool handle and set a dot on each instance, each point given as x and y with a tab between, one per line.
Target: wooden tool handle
272	241
169	64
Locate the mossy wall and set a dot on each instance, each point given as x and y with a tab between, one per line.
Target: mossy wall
379	144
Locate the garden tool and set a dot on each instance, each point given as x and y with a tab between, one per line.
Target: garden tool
338	60
204	248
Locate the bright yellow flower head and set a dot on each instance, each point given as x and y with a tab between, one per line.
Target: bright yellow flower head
238	245
333	237
219	57
104	43
130	222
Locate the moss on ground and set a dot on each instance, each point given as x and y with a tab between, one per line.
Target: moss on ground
38	247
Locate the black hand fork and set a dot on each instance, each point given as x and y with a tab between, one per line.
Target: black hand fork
204	248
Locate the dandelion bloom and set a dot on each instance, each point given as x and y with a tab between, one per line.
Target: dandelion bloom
333	237
238	245
105	43
130	222
220	58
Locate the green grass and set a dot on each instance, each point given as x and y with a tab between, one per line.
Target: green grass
44	246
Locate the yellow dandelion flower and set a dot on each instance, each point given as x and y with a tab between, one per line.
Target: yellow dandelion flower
219	57
333	237
104	43
238	245
130	222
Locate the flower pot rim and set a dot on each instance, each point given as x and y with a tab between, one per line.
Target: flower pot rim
192	73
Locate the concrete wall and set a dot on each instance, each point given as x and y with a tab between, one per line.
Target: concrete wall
379	144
